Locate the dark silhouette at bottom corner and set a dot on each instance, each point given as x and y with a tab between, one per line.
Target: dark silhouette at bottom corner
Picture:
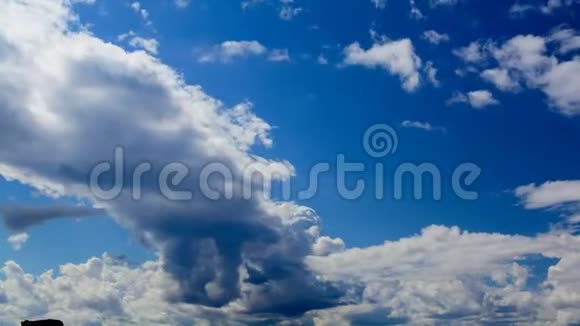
48	322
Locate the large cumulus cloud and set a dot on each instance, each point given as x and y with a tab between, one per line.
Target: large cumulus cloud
68	99
448	276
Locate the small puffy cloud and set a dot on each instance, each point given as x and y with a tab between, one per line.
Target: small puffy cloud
230	50
476	99
150	45
524	55
138	8
18	240
321	59
435	37
562	85
396	57
426	126
475	52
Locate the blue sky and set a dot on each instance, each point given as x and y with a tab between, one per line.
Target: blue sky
497	85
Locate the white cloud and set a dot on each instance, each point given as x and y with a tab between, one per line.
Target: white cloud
555	195
562	85
548	8
325	246
396	57
501	79
549	194
567	39
524	61
476	99
431	73
553	5
421	125
525	55
435	37
150	45
18	240
138	8
230	50
475	52
518	10
441	273
445	274
102	290
322	59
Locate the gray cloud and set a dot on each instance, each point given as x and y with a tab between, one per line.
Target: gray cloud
21	218
96	96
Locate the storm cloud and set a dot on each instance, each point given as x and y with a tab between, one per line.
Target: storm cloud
72	99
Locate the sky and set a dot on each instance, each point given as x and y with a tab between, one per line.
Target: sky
285	86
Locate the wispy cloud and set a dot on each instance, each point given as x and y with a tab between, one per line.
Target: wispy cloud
434	37
426	126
